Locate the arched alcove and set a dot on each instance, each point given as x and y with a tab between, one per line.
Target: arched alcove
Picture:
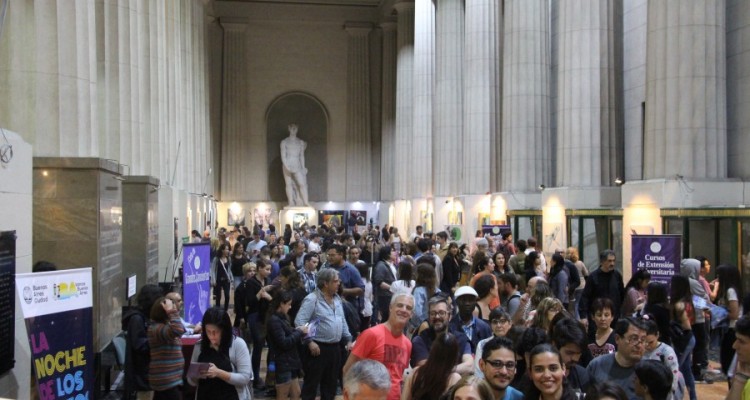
311	117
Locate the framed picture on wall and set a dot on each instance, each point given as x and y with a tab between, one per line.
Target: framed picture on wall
298	220
236	216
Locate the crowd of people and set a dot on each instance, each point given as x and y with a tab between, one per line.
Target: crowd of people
492	319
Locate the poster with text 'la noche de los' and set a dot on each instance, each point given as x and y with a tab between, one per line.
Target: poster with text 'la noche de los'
57	309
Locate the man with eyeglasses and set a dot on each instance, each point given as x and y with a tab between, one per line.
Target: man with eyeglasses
439	317
619	367
351	280
498	364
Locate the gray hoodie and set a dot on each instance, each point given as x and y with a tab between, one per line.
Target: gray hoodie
690	267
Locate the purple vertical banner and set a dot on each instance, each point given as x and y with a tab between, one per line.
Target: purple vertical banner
196	264
659	254
57	308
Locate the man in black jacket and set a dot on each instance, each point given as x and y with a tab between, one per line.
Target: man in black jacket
604	282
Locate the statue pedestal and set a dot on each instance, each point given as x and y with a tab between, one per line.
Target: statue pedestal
296	216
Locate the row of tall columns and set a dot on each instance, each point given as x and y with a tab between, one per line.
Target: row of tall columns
359	136
424	84
123	80
738	59
388	116
482	96
686	110
234	110
404	100
526	96
588	116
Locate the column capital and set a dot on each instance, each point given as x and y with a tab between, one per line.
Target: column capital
358	28
233	24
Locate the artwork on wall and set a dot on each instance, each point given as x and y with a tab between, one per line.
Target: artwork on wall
454	232
263	217
358	218
484	219
236	216
455	217
335	218
299	220
425	219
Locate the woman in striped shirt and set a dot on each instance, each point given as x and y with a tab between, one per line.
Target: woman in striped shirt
167	362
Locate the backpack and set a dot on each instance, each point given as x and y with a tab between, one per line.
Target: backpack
351	314
505	249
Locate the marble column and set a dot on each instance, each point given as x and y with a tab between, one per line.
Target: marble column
140	228
526	96
359	136
63	94
448	106
589	119
482	96
77	211
424	85
686	109
388	118
738	77
404	99
234	121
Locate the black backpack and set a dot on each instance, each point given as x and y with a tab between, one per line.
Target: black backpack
351	314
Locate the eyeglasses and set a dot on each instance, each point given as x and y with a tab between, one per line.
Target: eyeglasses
441	314
635	340
497	364
499	321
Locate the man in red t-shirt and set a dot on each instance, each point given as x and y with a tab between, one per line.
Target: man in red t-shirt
387	344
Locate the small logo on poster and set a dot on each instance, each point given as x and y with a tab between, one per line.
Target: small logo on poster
655	247
27	297
197	263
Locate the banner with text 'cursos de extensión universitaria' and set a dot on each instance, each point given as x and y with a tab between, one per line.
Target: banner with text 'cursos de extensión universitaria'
57	308
659	254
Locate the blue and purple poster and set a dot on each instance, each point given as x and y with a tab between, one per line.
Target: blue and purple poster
196	266
57	307
659	254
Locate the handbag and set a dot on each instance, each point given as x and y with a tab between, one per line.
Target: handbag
680	337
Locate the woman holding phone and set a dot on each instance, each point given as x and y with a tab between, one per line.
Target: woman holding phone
228	359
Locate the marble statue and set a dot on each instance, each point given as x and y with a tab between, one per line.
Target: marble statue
293	165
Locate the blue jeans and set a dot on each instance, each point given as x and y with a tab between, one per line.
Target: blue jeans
686	367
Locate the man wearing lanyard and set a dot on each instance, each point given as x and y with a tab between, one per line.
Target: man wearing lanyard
323	310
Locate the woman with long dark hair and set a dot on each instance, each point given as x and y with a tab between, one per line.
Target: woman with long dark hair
283	340
657	305
547	372
432	379
382	278
683	314
239	258
728	296
486	287
405	282
635	293
451	268
221	275
229	370
532	266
